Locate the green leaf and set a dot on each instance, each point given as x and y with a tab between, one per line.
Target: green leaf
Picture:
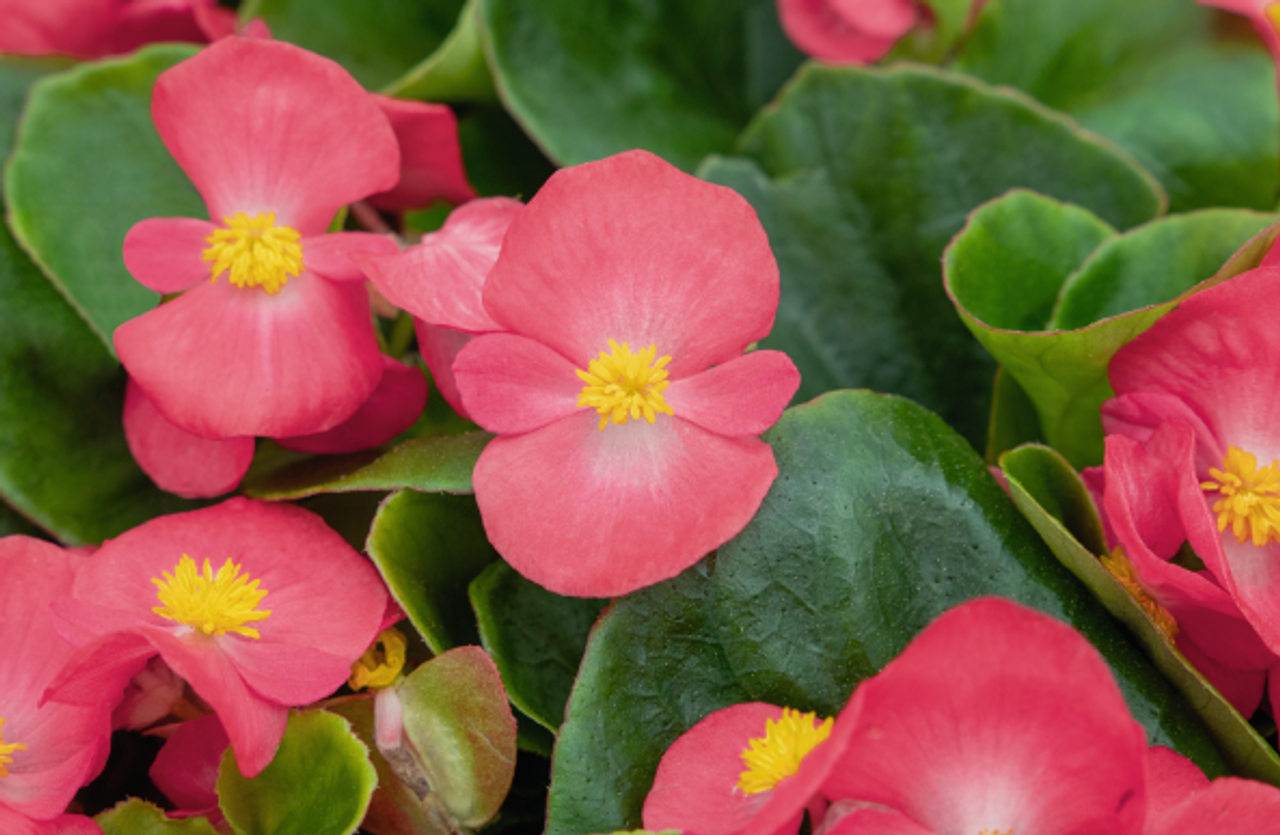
73	226
456	71
535	637
12	522
377	41
1010	263
319	783
138	817
429	547
462	732
587	80
435	463
1013	418
1052	497
1201	115
499	158
17	74
881	519
866	174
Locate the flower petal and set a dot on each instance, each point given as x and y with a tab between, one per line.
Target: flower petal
819	30
330	255
511	385
632	249
263	126
163	253
744	396
440	347
222	361
1230	806
186	769
597	514
175	459
430	156
392	408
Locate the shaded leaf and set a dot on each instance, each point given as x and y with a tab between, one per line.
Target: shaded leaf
138	817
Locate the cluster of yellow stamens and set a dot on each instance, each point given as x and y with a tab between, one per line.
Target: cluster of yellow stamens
7	748
777	755
256	251
1117	562
995	832
381	664
213	603
1250	503
622	385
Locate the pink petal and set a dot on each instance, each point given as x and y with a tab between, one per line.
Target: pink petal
186	769
440	347
1241	688
511	385
1171	779
392	408
223	362
1230	806
879	18
141	23
15	823
818	29
873	820
293	675
997	717
598	514
430	156
632	249
439	280
163	253
744	396
176	460
330	255
100	669
263	126
79	28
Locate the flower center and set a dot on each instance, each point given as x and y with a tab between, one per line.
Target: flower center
7	748
214	604
995	832
381	664
1117	562
256	251
1249	504
777	755
621	384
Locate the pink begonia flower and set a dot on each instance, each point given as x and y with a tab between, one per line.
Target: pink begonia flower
1182	801
430	156
11	823
95	28
847	31
439	281
280	342
46	752
626	411
258	606
1202	381
186	769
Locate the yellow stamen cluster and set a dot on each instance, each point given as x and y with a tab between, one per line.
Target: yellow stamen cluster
623	385
777	755
7	748
256	251
1250	503
995	832
1117	562
214	604
381	664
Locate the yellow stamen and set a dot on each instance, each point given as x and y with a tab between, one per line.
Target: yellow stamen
777	755
256	251
622	385
380	667
1117	562
214	604
7	748
1249	504
1272	13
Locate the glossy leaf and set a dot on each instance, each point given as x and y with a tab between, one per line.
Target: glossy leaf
858	239
458	722
1199	113
138	817
535	637
681	79
429	547
1001	272
74	226
435	463
881	518
377	41
1052	497
456	71
319	783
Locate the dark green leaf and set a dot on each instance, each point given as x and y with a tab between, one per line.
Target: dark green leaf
677	78
535	637
137	817
881	519
456	71
500	159
319	783
88	166
429	547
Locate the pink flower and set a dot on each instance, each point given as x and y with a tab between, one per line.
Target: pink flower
847	31
1199	390
626	411
94	28
186	769
430	156
1182	801
259	607
273	335
46	752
